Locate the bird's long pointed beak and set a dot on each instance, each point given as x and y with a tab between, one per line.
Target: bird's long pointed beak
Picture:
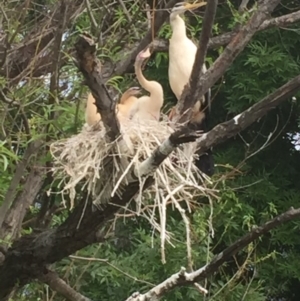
145	53
191	6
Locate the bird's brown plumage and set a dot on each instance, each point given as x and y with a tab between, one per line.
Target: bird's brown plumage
127	100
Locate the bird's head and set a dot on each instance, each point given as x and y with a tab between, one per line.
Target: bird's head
134	91
182	7
144	54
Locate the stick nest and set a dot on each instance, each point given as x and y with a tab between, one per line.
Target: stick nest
104	168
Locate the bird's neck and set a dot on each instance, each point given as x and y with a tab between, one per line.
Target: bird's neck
178	27
91	108
146	84
125	96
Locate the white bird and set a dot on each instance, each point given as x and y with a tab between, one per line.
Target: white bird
147	107
127	100
182	52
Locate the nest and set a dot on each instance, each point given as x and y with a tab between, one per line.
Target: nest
88	160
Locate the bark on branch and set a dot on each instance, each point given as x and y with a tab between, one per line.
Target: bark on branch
59	285
90	67
183	278
223	39
11	193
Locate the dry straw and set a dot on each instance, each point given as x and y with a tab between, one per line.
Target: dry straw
88	160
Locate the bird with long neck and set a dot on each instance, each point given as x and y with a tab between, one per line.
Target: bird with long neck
182	52
147	107
127	100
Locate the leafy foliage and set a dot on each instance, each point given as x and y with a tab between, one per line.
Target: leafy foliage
255	181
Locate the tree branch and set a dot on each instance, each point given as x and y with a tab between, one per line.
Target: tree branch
182	278
13	220
12	189
59	285
183	135
160	17
28	256
230	53
228	129
90	67
223	39
36	41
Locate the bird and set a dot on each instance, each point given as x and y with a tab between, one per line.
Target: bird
182	52
147	107
91	114
127	100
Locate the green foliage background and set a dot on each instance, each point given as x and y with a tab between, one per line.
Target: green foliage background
266	183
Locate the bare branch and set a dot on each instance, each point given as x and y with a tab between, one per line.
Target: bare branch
90	67
12	190
228	129
59	285
182	278
36	41
13	220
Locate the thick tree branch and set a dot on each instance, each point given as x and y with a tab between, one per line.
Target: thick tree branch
182	278
223	39
90	67
228	129
183	135
59	285
13	221
19	173
230	53
190	93
28	256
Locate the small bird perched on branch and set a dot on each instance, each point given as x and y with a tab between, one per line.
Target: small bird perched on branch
182	52
127	100
147	107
